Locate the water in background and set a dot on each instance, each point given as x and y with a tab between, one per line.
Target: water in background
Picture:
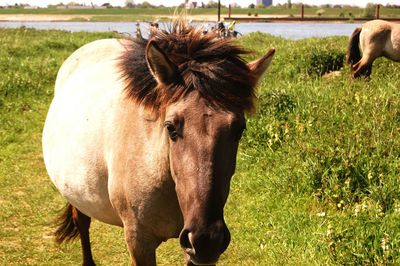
287	30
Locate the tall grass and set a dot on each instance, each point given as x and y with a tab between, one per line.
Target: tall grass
334	142
317	180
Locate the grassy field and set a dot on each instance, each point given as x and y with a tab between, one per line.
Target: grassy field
317	181
133	14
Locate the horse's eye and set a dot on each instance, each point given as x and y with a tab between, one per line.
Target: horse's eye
171	130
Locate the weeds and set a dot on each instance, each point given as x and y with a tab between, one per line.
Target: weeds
324	61
335	140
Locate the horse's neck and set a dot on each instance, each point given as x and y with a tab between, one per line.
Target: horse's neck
137	136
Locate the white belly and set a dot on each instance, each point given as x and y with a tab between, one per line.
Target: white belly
73	136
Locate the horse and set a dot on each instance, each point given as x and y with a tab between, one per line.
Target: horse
375	38
143	134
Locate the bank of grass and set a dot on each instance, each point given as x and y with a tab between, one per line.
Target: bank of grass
317	181
134	14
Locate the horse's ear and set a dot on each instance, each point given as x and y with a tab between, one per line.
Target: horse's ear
163	70
259	66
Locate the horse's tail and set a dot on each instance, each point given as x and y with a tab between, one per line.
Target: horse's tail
353	50
66	229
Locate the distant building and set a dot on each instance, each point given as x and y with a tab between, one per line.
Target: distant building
264	2
31	7
76	6
191	4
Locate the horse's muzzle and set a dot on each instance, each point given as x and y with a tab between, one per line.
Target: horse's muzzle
204	246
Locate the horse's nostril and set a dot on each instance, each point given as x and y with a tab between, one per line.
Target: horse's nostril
184	239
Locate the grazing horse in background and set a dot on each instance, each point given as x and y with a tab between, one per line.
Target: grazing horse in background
375	38
143	134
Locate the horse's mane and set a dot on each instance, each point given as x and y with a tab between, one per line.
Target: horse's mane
211	65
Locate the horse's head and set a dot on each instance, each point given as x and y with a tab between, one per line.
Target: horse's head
204	119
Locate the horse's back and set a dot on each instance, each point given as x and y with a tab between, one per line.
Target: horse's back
87	56
88	85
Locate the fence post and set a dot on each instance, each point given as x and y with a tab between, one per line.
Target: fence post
229	11
377	11
302	11
219	10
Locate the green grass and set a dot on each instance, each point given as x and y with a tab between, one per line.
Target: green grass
317	180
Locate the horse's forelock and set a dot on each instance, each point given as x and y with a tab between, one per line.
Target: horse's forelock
208	64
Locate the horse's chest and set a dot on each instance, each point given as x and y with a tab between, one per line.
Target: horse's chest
147	198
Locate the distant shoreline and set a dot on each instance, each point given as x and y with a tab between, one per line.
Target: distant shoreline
152	17
114	18
41	17
306	19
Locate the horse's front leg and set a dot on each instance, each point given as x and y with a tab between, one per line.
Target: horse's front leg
363	71
141	245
